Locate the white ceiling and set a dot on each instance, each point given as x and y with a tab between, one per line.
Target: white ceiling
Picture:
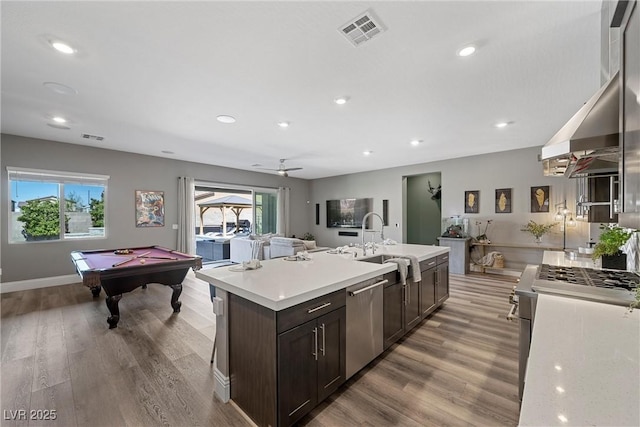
153	76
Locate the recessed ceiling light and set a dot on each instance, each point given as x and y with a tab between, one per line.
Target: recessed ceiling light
60	88
167	152
59	119
416	142
501	125
226	119
341	100
283	124
63	47
466	51
367	152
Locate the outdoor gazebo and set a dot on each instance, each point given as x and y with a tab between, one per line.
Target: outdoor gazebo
235	203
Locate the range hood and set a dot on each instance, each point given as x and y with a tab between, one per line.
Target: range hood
589	143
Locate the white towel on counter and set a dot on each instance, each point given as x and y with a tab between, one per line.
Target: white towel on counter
402	268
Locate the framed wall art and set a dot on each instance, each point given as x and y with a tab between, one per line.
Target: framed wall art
540	199
472	201
149	208
503	200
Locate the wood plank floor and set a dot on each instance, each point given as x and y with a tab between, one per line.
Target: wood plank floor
459	367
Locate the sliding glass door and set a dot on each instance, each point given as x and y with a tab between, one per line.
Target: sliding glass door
265	212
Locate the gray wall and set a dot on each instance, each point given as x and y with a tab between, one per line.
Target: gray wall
128	172
515	169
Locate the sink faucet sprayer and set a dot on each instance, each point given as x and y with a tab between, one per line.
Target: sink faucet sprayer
364	224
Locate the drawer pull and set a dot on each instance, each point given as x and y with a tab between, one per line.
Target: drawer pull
354	293
311	310
323	339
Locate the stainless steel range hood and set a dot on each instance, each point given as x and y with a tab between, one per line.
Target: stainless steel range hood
588	143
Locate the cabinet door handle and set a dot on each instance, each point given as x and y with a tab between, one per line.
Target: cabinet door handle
314	353
311	310
323	338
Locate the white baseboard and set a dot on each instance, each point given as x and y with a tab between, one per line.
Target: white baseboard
45	282
222	385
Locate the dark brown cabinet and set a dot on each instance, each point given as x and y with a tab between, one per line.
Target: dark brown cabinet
412	304
442	279
428	287
393	309
311	364
406	306
282	364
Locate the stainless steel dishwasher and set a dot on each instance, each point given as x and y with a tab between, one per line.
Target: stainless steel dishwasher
364	324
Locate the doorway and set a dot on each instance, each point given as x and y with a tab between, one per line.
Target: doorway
223	213
423	210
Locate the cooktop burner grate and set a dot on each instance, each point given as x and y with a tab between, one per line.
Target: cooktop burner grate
590	277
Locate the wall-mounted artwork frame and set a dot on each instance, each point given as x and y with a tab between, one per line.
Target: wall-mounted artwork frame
472	201
540	198
149	208
503	200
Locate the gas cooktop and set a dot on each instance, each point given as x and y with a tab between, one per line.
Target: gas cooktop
608	286
611	279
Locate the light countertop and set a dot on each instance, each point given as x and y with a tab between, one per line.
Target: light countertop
280	284
584	365
561	258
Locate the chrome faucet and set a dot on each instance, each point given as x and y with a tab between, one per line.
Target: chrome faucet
364	225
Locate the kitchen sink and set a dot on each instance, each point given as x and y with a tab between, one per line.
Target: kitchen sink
377	259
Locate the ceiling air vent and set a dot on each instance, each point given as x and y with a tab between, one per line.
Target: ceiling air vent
92	137
362	28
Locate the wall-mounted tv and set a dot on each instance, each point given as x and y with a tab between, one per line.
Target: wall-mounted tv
347	213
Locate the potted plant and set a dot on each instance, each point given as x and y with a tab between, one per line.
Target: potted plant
608	247
538	230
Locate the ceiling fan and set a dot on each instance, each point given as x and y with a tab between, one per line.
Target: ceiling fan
282	169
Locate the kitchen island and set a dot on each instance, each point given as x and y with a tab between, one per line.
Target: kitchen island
269	317
584	365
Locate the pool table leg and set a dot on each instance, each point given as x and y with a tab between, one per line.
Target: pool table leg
95	291
112	305
177	290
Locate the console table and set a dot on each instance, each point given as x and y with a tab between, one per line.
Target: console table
459	255
483	247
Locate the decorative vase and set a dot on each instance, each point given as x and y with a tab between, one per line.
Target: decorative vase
538	239
615	262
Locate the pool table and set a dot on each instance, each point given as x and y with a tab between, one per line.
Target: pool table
122	270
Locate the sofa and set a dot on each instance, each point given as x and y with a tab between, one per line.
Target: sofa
264	247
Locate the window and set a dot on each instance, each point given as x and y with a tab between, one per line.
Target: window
49	205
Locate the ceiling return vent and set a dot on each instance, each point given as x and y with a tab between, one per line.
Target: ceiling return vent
92	137
362	28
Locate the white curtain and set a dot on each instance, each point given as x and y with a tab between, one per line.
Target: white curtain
186	215
283	211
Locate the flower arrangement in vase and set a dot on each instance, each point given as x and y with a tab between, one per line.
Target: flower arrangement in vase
538	230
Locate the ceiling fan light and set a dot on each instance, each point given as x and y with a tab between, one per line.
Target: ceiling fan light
226	119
